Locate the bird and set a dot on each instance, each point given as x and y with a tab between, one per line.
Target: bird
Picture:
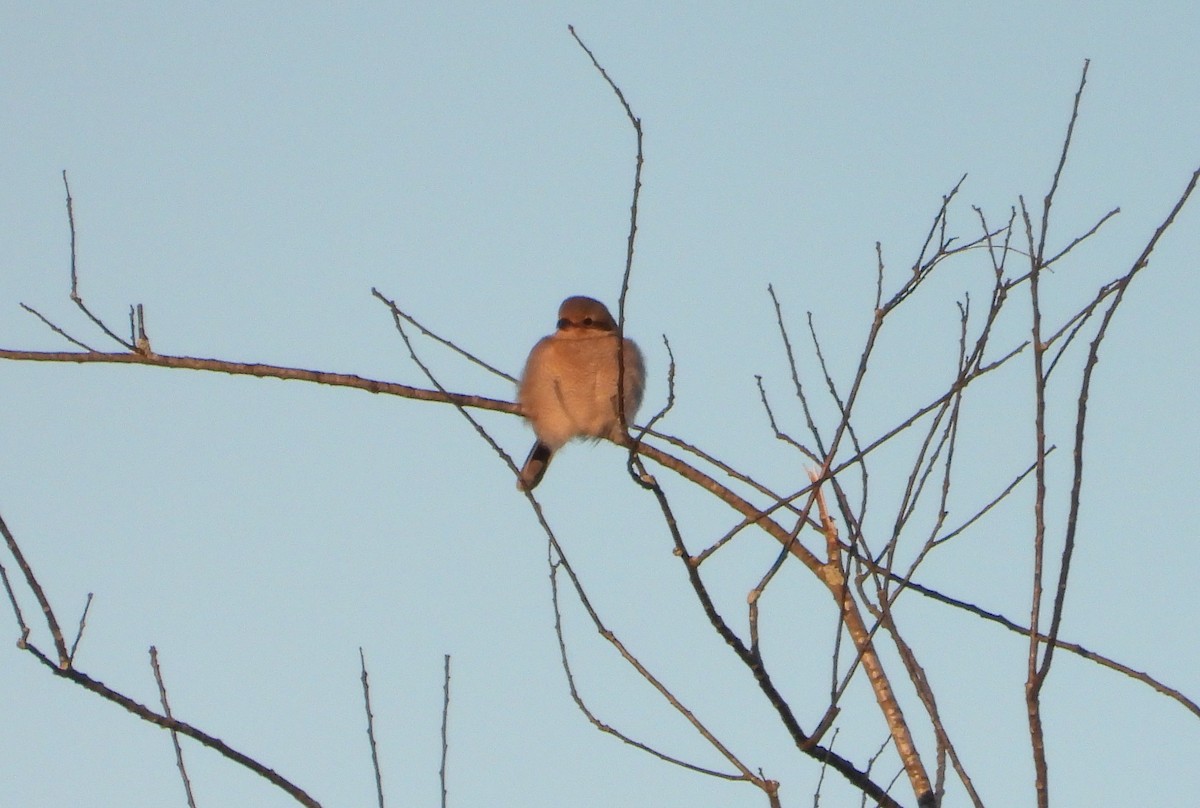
569	386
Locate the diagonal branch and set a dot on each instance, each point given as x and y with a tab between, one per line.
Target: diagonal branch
366	686
63	669
146	714
75	296
60	645
166	705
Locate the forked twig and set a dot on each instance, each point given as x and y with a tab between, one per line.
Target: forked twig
1093	359
31	581
64	670
146	714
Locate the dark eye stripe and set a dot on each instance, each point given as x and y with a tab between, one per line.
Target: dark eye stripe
587	322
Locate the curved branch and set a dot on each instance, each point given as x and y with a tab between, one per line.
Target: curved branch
264	371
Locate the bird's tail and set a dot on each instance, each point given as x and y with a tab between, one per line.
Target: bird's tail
535	466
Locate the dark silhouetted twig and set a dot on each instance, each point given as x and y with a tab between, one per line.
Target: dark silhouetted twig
366	686
162	695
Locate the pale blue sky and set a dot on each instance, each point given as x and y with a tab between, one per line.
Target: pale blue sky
250	171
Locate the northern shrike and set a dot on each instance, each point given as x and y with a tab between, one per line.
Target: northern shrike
569	387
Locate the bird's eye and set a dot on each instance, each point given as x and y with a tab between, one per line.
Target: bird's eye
588	321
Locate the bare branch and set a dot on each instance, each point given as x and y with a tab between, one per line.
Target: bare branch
265	371
754	661
1040	250
925	694
146	714
445	729
1032	685
60	647
57	330
75	296
1081	419
1075	242
975	517
799	387
366	686
166	705
63	669
595	721
79	632
470	357
779	433
1074	648
12	598
636	122
635	467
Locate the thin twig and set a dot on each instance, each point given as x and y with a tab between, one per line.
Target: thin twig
1001	620
79	632
1080	421
12	598
166	705
636	122
581	704
64	670
445	729
1037	740
58	330
75	296
780	435
31	581
634	463
1040	250
942	539
1075	242
796	383
470	357
146	714
366	686
853	520
821	778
